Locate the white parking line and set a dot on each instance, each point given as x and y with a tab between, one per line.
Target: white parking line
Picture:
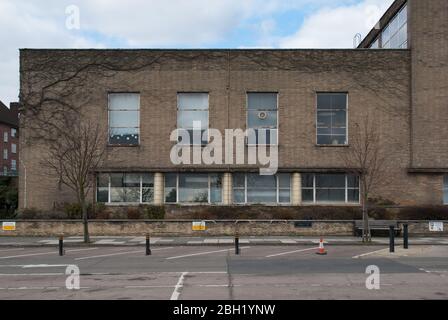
202	253
119	253
369	253
44	253
15	249
290	252
30	274
180	283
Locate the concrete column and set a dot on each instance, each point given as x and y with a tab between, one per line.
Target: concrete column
159	189
227	188
296	189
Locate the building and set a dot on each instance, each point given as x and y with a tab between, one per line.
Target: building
9	146
307	100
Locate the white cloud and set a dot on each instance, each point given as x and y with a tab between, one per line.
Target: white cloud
336	27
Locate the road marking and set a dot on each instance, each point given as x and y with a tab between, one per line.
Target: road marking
290	252
202	253
16	249
119	253
44	253
369	253
148	287
180	283
30	274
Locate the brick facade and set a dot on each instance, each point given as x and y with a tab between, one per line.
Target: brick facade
402	89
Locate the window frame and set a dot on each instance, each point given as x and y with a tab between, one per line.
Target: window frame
277	93
13	165
346	190
347	142
191	144
109	119
5	136
13	148
5	154
396	16
13	132
110	203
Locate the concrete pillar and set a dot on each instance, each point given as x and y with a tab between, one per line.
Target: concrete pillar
159	189
227	188
296	189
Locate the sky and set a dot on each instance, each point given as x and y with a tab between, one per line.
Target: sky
177	24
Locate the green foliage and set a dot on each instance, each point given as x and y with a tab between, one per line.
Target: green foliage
29	213
74	210
154	212
8	201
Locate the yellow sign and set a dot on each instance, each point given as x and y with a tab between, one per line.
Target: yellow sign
199	226
9	226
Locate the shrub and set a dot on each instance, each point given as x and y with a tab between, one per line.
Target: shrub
29	213
134	213
74	210
154	212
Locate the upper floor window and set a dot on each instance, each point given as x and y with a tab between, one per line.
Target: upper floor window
445	189
375	44
13	148
13	165
332	119
192	117
262	117
5	154
330	188
395	34
254	188
124	118
5	136
13	133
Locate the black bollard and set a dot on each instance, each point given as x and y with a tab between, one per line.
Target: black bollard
148	248
237	245
61	245
391	239
405	236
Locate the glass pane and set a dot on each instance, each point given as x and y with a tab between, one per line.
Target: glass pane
102	180
238	196
197	101
352	181
262	119
185	119
124	136
170	180
215	195
170	188
284	196
124	101
193	188
339	119
102	194
255	180
284	180
353	195
323	101
339	101
324	119
148	180
238	180
307	195
262	137
307	180
330	180
261	195
262	101
330	195
116	180
123	118
131	187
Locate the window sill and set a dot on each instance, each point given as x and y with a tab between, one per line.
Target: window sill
332	145
123	145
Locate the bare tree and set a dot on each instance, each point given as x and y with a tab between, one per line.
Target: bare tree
366	159
74	157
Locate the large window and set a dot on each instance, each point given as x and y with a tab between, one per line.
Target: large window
5	154
331	118
395	35
13	148
330	188
445	189
124	118
193	188
125	188
13	165
253	188
13	133
5	136
262	117
192	108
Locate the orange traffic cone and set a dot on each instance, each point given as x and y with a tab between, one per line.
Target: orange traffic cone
321	250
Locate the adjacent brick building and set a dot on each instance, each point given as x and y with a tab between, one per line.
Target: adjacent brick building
307	100
9	140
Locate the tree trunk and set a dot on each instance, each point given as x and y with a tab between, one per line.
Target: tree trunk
85	220
365	218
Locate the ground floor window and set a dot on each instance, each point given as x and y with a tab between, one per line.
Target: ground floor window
125	188
193	188
330	188
445	189
252	188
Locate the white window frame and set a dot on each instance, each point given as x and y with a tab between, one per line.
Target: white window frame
346	202
268	110
5	154
13	165
109	118
5	136
13	132
13	148
346	119
197	110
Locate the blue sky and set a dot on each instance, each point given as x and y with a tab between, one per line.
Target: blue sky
177	24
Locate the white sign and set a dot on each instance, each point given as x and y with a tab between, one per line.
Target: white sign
435	226
9	226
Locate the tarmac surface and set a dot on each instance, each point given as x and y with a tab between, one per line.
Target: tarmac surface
281	272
